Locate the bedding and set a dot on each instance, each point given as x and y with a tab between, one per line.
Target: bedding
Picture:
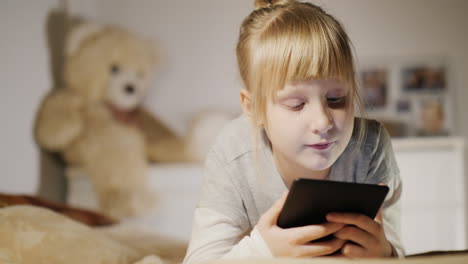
441	259
87	217
176	185
32	234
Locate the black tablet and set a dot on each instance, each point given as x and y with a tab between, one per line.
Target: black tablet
309	201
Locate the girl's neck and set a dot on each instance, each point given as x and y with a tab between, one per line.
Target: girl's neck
291	171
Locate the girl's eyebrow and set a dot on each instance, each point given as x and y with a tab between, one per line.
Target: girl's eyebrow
337	88
288	91
292	87
298	87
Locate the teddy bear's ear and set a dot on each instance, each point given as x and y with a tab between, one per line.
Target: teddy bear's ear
79	34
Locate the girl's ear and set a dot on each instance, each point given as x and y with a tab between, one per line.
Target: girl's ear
246	103
245	98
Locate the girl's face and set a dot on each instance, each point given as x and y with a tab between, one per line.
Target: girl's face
309	126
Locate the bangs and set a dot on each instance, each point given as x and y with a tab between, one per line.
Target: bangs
301	50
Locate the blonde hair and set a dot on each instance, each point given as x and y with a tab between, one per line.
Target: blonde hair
286	40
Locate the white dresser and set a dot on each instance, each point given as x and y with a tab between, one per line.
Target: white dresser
433	201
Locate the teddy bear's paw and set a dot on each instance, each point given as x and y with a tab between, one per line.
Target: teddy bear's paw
151	259
143	201
121	211
121	204
60	121
203	130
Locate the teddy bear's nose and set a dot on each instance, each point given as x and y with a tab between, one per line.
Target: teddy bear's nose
129	89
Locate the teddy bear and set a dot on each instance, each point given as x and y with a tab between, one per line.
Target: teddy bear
97	122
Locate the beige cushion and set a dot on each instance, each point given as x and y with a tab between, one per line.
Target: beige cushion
31	234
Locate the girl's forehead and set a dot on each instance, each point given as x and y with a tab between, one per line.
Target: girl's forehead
322	84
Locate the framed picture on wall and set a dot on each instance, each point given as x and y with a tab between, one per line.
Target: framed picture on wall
374	85
423	78
432	117
426	81
404	105
411	95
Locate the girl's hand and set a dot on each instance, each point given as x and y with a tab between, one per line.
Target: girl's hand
295	242
367	235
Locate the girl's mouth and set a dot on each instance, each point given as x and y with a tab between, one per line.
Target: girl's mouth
322	146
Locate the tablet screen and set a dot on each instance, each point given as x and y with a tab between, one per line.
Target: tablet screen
309	201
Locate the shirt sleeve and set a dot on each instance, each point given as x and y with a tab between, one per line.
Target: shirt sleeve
220	189
384	169
215	236
220	224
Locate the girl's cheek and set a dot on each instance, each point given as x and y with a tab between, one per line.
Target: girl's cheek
342	119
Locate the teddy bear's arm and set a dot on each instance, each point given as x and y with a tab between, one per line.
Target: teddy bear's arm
163	144
59	120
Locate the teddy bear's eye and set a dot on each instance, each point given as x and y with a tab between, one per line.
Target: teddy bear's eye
115	69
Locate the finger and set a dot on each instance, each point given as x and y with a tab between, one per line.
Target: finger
356	235
379	218
359	220
321	248
351	250
304	234
271	215
335	255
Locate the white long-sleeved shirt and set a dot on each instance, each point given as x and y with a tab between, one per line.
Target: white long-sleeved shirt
240	185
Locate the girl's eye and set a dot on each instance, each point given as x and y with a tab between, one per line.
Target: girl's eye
336	102
297	107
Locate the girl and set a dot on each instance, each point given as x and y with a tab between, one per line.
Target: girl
299	99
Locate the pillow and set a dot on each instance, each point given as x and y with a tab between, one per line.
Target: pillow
30	234
88	217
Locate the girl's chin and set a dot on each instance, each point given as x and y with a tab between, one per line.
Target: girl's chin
318	166
319	163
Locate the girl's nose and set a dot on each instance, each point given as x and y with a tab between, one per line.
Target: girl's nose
321	119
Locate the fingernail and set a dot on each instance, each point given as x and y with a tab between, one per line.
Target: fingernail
331	215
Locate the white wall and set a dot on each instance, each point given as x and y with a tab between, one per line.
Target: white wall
402	30
197	40
25	76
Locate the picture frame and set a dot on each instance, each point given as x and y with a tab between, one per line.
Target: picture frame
424	78
411	96
374	83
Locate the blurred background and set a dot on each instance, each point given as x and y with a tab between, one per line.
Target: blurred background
394	41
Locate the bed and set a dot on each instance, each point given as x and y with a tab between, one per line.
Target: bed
161	235
432	171
30	234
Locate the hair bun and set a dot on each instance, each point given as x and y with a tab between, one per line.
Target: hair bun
270	3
